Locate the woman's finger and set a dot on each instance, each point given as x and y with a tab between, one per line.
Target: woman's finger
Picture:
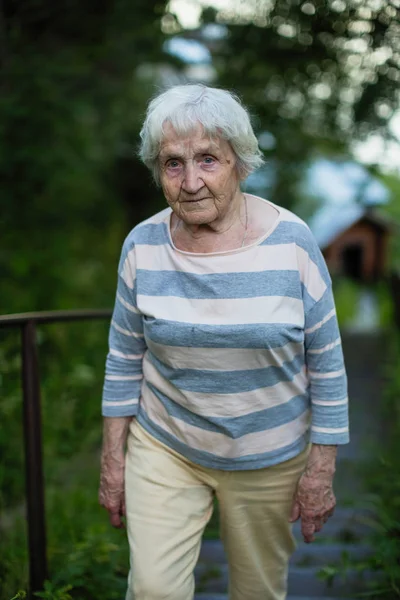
318	523
329	513
115	519
295	513
307	528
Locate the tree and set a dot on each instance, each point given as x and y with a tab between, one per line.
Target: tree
73	94
316	73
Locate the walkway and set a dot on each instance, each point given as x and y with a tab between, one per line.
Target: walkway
344	534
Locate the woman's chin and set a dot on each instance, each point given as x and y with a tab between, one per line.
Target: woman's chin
198	216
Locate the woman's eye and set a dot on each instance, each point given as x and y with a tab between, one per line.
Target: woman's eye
172	164
208	160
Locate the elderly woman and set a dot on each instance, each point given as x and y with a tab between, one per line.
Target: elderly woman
225	373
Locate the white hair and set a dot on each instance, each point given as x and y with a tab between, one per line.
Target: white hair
218	111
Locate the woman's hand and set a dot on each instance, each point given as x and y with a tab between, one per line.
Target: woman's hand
314	500
112	475
111	490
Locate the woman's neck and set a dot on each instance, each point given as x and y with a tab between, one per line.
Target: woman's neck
224	233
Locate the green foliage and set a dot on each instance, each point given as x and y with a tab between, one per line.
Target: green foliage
308	72
72	367
72	102
385	303
392	212
96	565
347	293
51	592
87	558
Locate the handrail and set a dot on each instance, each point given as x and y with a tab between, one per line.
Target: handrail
34	482
54	316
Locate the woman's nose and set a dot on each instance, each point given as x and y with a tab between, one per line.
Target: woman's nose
192	181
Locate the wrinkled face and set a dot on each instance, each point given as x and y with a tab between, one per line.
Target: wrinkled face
198	175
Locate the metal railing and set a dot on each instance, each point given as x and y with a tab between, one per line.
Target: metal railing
32	420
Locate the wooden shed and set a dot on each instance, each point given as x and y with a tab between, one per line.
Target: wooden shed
354	241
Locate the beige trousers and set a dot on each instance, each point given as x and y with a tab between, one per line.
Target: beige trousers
169	501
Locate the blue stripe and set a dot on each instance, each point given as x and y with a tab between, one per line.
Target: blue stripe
117	365
121	390
330	360
331	439
126	319
320	309
258	335
228	382
154	234
219	285
128	294
129	410
333	417
125	344
326	334
334	388
235	427
209	460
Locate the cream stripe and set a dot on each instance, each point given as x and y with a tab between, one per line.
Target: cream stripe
224	359
161	258
324	320
127	305
326	348
227	405
218	443
330	402
329	429
310	275
128	268
330	375
124	377
267	309
120	403
127	356
126	331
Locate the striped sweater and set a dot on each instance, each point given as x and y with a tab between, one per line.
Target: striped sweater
232	359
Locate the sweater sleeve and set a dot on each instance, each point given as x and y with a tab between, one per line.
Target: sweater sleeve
323	350
123	374
326	373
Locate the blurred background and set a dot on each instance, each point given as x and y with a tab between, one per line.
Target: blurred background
321	80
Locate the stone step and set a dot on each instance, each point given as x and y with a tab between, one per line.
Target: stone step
206	596
328	554
348	525
302	581
212	552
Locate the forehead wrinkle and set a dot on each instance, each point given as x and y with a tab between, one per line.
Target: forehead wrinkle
175	148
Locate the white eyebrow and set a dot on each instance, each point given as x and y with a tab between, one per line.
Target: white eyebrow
210	148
